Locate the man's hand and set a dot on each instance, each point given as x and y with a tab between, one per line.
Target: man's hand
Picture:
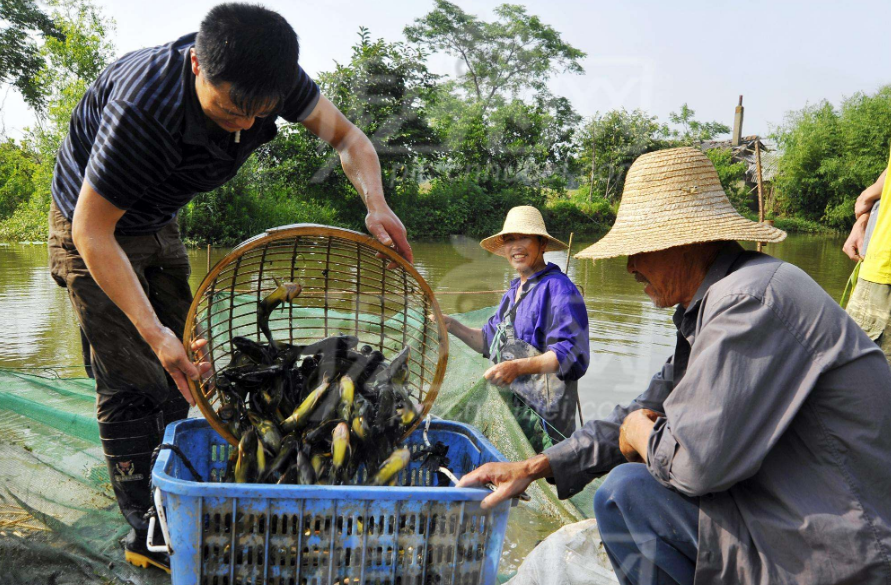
504	373
199	348
635	433
173	358
383	224
510	479
854	244
864	204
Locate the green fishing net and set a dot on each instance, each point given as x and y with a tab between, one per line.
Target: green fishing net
52	468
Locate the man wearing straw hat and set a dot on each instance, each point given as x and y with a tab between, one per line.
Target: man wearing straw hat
538	337
760	452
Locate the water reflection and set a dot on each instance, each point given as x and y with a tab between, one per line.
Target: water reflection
630	339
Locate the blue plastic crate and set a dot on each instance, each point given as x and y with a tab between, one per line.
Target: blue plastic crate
252	534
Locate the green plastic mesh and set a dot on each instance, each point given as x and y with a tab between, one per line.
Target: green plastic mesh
51	465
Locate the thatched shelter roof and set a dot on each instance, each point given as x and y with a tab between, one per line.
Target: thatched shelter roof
745	152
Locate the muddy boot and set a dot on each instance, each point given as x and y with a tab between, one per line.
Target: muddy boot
128	447
136	553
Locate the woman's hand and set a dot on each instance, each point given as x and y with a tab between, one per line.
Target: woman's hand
504	373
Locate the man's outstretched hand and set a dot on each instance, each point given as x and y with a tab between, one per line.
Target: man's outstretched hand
383	224
510	479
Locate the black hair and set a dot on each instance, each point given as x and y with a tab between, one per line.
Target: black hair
254	49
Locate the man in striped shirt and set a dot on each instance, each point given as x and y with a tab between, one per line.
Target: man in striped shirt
157	127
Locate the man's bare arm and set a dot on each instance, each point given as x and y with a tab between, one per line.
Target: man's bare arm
869	196
92	230
362	167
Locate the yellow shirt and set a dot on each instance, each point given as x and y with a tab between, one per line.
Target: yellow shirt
876	266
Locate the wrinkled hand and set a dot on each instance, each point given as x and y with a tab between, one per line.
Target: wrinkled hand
510	479
383	224
173	358
634	432
854	244
503	374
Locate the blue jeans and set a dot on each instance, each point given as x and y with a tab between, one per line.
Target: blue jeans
650	532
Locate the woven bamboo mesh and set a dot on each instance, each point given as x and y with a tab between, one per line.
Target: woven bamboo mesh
346	289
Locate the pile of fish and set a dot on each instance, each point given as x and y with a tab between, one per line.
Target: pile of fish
316	414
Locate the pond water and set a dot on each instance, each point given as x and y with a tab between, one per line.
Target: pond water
630	338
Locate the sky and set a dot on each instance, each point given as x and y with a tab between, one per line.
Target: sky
780	55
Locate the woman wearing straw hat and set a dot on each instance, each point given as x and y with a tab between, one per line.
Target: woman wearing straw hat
760	453
538	337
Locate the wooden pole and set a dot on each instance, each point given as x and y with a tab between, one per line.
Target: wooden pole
578	401
760	186
208	258
568	254
593	166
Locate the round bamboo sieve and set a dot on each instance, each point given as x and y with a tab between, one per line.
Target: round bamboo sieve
347	289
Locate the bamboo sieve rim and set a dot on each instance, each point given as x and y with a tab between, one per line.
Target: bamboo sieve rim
317	231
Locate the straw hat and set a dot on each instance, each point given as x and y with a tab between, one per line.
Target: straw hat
525	220
673	198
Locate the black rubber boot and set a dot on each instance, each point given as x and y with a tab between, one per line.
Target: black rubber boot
136	553
175	408
128	447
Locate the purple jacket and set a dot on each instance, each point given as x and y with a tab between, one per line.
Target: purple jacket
552	317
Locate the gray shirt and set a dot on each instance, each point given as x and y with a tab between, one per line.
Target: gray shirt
777	413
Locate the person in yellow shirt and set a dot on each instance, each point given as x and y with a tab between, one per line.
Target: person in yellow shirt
870	242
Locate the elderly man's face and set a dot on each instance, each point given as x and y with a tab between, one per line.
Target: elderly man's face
671	276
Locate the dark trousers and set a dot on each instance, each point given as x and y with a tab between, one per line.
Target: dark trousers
130	381
650	532
135	397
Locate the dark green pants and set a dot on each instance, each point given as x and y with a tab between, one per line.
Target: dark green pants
130	381
531	425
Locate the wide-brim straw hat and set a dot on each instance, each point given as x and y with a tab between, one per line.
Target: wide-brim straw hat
523	220
674	198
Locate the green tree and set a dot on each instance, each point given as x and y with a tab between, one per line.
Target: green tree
385	90
732	175
17	168
518	143
500	124
830	154
692	131
20	57
71	62
609	143
517	52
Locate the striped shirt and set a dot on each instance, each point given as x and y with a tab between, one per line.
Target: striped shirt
141	140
